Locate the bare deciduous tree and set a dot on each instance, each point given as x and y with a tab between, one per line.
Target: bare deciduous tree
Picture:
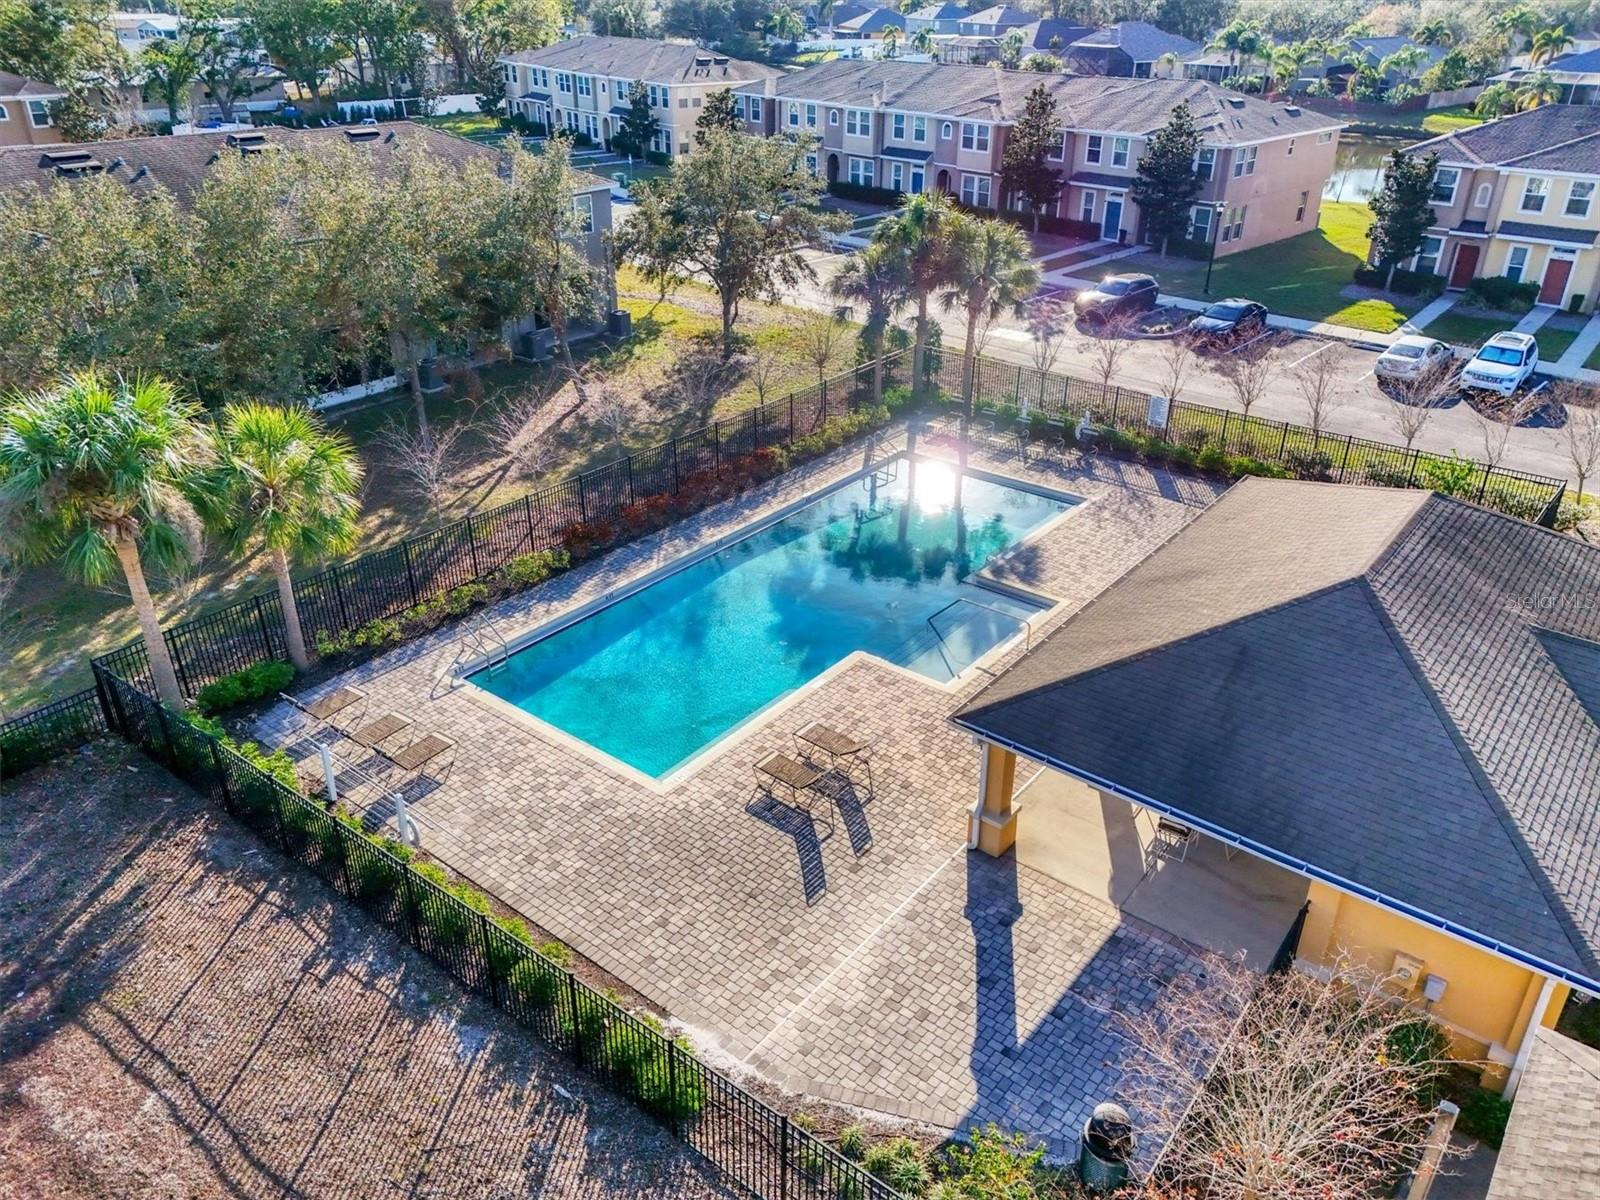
1582	405
1177	363
1284	1088
610	411
424	459
1048	322
766	367
1497	417
1109	346
820	338
517	424
1317	377
1246	369
1412	402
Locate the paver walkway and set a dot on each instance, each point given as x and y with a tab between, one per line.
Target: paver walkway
1534	321
1431	312
755	930
1585	344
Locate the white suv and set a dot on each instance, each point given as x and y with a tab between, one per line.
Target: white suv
1502	364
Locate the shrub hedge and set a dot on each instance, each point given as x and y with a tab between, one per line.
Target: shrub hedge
243	687
1508	295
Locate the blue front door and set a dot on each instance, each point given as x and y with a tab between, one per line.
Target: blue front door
1113	221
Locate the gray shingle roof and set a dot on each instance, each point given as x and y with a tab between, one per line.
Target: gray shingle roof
1139	40
1586	62
642	58
1549	233
1137	106
939	12
1352	678
1552	1145
20	87
179	164
1555	137
874	20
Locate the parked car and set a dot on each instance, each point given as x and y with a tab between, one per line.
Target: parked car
1229	320
1116	296
1502	364
1413	357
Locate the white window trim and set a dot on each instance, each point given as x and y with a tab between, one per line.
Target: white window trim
1455	185
919	129
946	131
1094	149
833	116
583	205
1588	201
1121	146
1527	184
1522	268
34	114
1484	192
5	114
1205	168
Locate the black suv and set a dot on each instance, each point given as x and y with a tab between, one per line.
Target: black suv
1115	296
1229	320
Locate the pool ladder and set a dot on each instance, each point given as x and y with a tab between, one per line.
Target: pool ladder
479	638
1024	619
879	476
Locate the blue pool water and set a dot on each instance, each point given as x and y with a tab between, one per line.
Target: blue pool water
655	677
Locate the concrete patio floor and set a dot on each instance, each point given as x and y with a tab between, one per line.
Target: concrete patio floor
880	965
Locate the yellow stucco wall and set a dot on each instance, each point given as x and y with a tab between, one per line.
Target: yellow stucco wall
1487	1001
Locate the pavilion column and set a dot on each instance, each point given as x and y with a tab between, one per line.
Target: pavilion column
996	813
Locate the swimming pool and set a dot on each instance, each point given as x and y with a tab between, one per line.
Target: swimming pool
879	564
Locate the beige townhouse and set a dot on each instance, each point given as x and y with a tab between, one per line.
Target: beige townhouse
915	127
27	116
1517	197
582	84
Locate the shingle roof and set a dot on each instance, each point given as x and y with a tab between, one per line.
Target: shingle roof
1138	106
999	15
1586	62
1554	137
939	12
20	87
1552	1145
1041	32
874	20
1139	40
1354	679
642	58
179	164
1548	233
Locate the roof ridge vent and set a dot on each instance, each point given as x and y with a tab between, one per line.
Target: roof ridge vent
1236	101
59	158
367	133
252	138
1292	109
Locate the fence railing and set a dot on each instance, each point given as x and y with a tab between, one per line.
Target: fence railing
755	1146
45	733
1337	458
389	581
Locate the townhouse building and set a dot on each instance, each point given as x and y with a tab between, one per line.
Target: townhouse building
916	127
27	116
582	84
1517	197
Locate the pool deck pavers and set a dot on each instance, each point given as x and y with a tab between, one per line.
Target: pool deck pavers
884	965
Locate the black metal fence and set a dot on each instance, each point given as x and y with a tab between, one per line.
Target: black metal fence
45	733
389	581
1337	458
753	1145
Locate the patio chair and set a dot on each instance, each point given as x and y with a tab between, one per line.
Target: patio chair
419	752
798	779
375	733
1170	843
845	754
336	703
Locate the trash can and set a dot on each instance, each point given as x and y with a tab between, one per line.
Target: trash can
1105	1148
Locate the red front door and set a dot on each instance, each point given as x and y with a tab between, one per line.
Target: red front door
1466	265
1554	286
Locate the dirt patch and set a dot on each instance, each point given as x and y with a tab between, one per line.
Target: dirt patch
185	1015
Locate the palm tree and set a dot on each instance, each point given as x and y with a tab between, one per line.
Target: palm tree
1522	19
991	271
1536	90
922	41
101	473
1496	100
1433	33
1167	65
1548	44
876	279
785	24
1287	61
919	238
1243	40
1404	62
891	42
285	485
1011	47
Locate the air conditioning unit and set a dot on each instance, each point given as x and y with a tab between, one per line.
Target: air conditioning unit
1407	970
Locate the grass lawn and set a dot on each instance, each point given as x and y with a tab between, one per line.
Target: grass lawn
1304	276
1467	329
1443	120
669	376
1593	361
1553	342
465	124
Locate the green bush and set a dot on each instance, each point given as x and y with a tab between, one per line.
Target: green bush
528	569
899	1163
853	1142
1484	1115
835	432
1507	295
1454	476
534	982
451	924
897	398
242	687
993	1163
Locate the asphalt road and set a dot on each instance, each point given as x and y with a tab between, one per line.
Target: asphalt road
1361	408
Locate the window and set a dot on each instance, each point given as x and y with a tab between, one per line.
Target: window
1324	137
1300	212
1092	150
585	85
1238	223
857	122
1516	263
1200	223
694	103
974	137
1086	213
591	126
811	164
683	101
662	142
833	116
919	129
1428	256
1290	154
1119	152
1244	162
738	106
563	82
755	107
4	115
1482	196
861	171
975	191
1445	180
509	74
945	130
1233	223
897	127
1058	151
1580	195
1205	163
897	176
811	116
1533	194
584	207
794	115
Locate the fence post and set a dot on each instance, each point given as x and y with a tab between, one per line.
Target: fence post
411	578
577	1018
1283	442
1344	463
791	418
1484	486
672	1086
261	620
583	503
716	447
755	432
166	734
103	694
783	1157
627	466
527	515
1225	415
488	961
411	906
1411	471
222	776
674	466
472	549
338	596
1016	392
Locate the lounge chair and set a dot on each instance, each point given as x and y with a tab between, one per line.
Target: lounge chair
335	703
419	752
374	733
799	779
845	754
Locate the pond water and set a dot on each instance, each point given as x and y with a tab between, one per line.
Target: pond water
1358	166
